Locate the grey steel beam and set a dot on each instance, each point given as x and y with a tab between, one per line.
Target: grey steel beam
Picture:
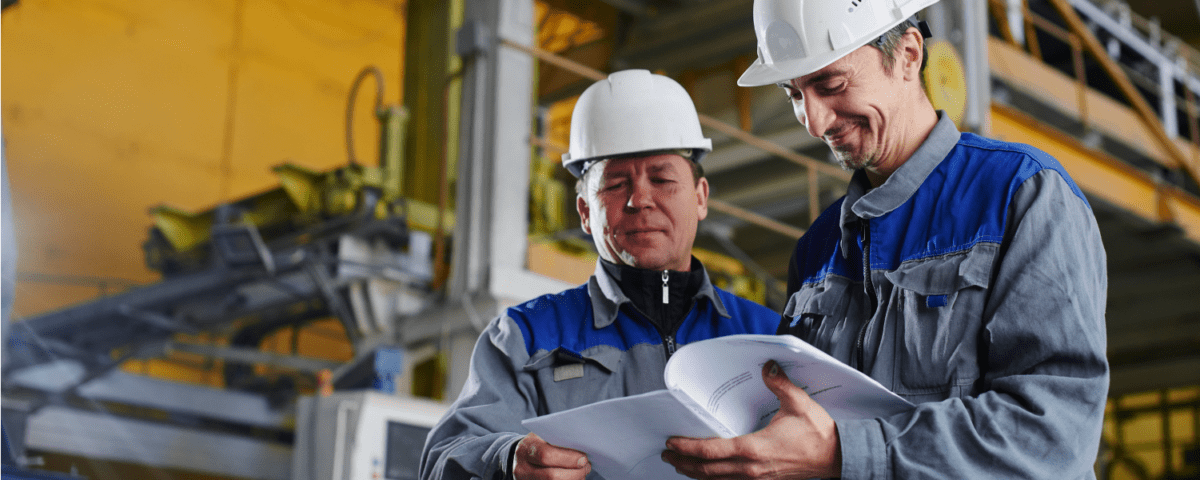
253	356
495	152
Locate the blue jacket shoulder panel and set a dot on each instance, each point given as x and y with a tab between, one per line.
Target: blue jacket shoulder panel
744	317
1035	161
963	202
565	320
818	252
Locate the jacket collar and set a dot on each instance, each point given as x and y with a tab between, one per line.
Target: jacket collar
607	296
864	202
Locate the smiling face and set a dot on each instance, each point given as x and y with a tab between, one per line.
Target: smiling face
871	118
643	211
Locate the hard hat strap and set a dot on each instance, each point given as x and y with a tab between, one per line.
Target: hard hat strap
912	21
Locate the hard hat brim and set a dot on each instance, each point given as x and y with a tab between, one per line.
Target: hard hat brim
759	74
575	165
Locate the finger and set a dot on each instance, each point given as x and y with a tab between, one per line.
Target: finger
703	448
791	397
539	453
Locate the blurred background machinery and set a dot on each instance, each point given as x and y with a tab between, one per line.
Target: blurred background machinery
306	313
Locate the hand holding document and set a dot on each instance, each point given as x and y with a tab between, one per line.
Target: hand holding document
714	389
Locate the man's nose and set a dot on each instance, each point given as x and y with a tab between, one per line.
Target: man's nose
640	196
818	117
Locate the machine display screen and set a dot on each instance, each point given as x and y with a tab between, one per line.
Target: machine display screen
404	443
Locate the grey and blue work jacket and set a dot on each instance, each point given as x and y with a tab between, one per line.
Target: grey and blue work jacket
972	283
565	350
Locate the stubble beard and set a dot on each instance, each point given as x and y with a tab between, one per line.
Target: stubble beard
849	161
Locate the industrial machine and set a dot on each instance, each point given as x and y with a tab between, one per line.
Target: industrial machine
342	244
361	434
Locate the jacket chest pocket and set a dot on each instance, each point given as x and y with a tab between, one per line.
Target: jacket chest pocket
939	303
567	379
818	314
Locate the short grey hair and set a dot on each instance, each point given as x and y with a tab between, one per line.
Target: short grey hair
889	43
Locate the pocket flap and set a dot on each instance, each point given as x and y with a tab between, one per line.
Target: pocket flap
825	298
947	274
605	358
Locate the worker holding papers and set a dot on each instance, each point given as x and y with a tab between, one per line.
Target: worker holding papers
715	388
965	274
636	145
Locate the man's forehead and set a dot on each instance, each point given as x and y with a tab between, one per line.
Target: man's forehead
654	162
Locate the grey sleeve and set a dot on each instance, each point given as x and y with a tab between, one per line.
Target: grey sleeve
475	437
1039	410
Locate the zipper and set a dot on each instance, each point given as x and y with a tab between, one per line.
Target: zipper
666	285
874	301
669	339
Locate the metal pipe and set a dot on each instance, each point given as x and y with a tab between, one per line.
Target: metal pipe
760	220
1081	87
440	267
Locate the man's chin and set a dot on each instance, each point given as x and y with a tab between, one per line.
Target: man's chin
846	160
850	162
650	260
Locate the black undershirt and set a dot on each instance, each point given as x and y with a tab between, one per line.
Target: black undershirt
644	288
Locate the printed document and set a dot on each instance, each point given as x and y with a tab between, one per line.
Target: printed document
714	389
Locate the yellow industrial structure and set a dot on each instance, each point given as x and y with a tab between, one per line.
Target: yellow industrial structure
154	147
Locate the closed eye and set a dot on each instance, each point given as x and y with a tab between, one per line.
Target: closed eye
613	186
831	88
793	94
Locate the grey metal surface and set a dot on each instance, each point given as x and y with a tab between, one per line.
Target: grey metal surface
102	436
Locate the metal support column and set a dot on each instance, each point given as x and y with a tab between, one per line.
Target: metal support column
975	60
1016	19
1166	91
493	179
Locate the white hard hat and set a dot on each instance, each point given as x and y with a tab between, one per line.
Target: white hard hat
629	112
799	37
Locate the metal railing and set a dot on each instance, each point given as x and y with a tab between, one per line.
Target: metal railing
1078	34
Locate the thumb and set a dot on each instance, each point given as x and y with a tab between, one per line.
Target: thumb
791	397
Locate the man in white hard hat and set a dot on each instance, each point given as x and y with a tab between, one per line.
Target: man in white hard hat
965	274
635	147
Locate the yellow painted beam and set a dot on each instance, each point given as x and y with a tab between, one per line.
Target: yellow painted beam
1094	109
1101	175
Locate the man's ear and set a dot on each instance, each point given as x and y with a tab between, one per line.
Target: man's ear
702	198
912	53
585	214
